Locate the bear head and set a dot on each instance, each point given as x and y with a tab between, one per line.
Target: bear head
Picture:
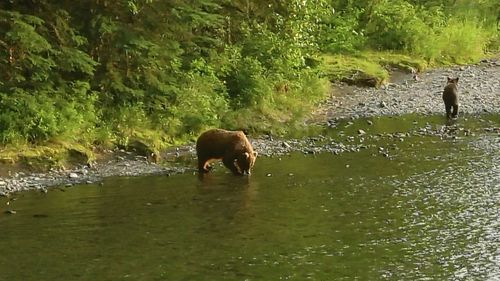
245	162
452	81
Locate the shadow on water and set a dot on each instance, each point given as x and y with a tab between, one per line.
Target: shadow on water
429	211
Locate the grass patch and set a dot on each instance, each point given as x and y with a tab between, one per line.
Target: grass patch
368	68
396	60
459	42
354	70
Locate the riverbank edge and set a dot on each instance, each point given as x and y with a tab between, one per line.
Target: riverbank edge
367	69
86	166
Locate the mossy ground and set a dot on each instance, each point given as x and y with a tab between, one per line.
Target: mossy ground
368	68
44	156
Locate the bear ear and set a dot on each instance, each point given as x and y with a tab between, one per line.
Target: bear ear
255	154
456	80
449	79
247	155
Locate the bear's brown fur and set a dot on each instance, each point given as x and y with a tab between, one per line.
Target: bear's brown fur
232	147
450	98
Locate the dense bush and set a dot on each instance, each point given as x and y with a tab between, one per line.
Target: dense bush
44	88
439	31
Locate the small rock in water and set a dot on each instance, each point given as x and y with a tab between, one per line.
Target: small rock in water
10	212
370	122
269	175
361	132
73	175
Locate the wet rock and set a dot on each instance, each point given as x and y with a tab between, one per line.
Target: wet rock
10	212
73	175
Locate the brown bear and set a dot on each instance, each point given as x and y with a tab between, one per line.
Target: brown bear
450	98
232	147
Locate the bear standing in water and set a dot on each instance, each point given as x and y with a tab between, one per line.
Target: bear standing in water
450	98
232	147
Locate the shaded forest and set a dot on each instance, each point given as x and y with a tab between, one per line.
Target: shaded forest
102	72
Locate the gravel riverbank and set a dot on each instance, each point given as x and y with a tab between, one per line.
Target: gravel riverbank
479	92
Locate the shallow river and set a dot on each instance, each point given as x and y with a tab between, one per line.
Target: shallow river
413	208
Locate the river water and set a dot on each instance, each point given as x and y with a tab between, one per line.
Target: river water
418	207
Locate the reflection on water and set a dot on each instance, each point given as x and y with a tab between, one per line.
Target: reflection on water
430	212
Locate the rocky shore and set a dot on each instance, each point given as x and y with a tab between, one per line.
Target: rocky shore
479	92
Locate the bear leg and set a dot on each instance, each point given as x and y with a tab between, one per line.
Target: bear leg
229	163
455	111
202	163
448	110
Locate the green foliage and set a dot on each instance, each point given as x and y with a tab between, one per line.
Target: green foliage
203	101
436	31
395	25
44	93
342	34
457	42
247	85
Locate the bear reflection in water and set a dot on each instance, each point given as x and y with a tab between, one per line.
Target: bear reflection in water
232	147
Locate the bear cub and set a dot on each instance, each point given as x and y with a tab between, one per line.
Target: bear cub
450	98
232	147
